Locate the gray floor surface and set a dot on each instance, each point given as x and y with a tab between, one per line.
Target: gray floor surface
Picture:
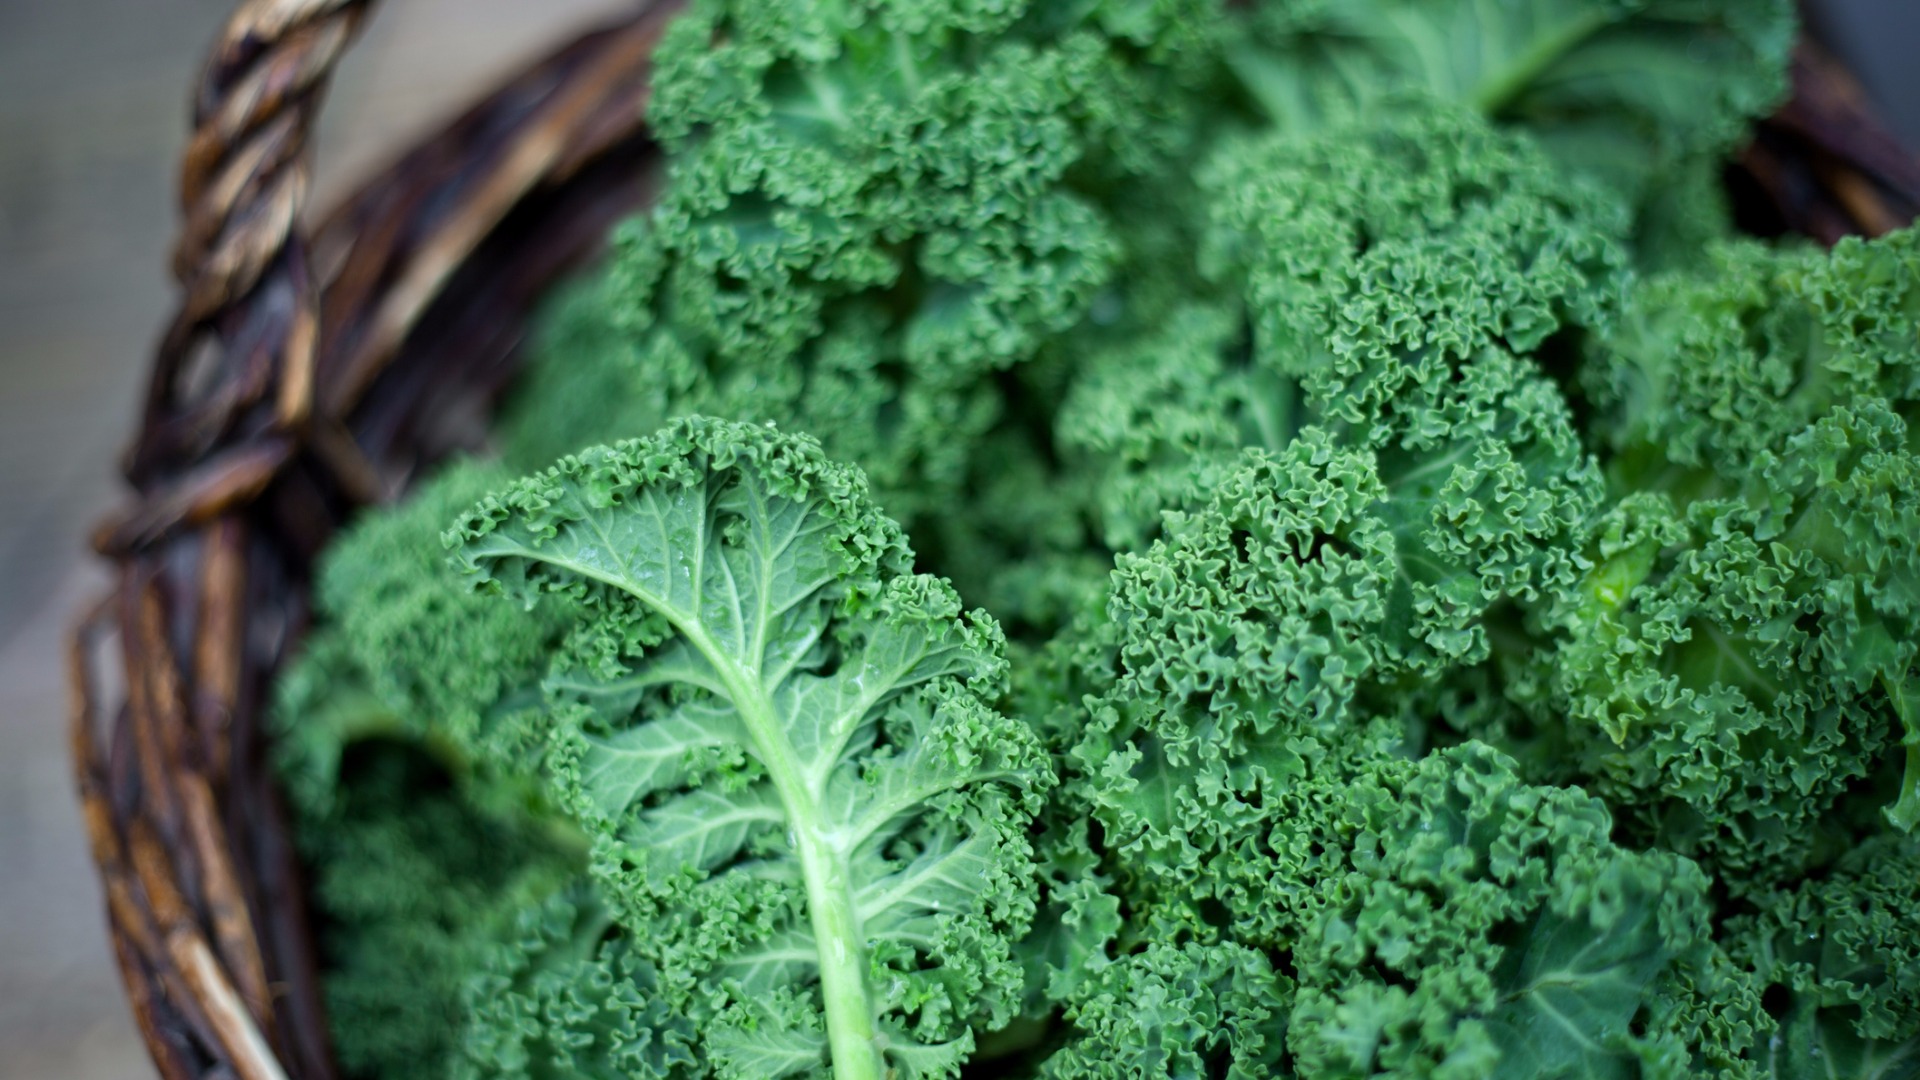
92	114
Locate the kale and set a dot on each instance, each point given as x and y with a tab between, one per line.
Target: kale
1148	538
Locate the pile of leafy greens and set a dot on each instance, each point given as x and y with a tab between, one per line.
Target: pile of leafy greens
1156	538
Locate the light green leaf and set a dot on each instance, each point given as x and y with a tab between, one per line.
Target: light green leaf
758	693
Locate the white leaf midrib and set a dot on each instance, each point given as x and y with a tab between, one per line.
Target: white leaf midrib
831	904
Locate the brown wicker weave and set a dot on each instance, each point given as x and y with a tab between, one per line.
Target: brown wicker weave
309	372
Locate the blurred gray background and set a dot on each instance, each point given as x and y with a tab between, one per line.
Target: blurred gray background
92	116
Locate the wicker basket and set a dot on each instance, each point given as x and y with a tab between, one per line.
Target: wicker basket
311	371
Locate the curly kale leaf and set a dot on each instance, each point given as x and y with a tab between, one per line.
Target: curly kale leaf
1841	956
1742	652
1271	623
805	814
440	664
1389	271
1294	615
1433	918
1708	370
1465	921
407	737
1169	1011
1718	681
1373	253
1631	91
412	865
873	211
558	991
1241	739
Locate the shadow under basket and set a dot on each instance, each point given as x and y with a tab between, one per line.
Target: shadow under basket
313	370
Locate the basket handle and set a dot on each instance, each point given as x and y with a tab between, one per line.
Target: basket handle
243	178
210	438
244	460
248	317
254	370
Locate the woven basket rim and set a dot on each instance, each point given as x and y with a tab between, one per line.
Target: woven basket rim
304	374
307	374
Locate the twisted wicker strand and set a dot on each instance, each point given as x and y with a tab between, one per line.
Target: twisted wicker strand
245	164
